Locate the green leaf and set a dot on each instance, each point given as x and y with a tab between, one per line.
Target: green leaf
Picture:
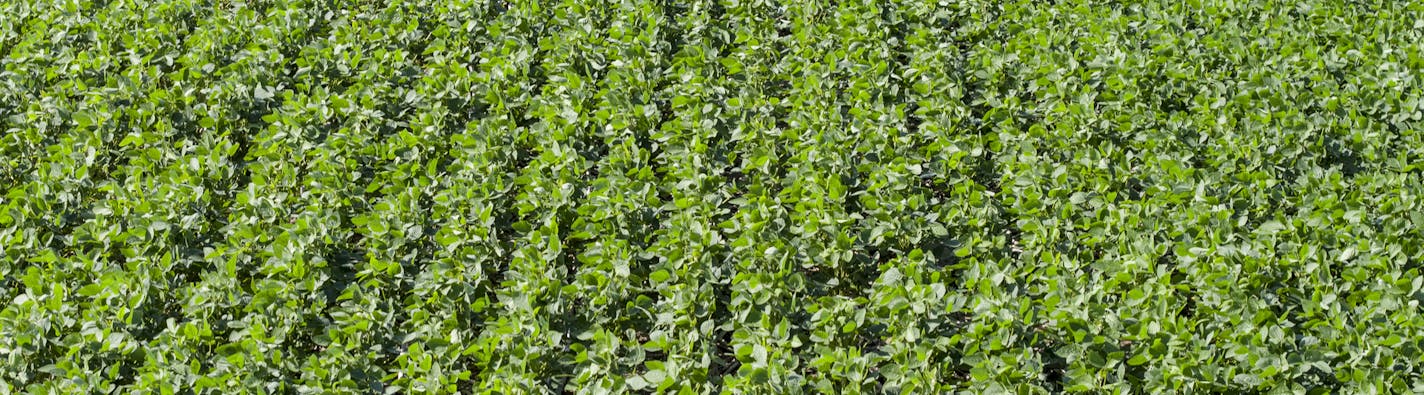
659	276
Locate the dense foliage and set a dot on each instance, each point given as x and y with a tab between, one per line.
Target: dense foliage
711	196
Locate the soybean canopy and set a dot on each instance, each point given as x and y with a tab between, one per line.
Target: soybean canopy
711	196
